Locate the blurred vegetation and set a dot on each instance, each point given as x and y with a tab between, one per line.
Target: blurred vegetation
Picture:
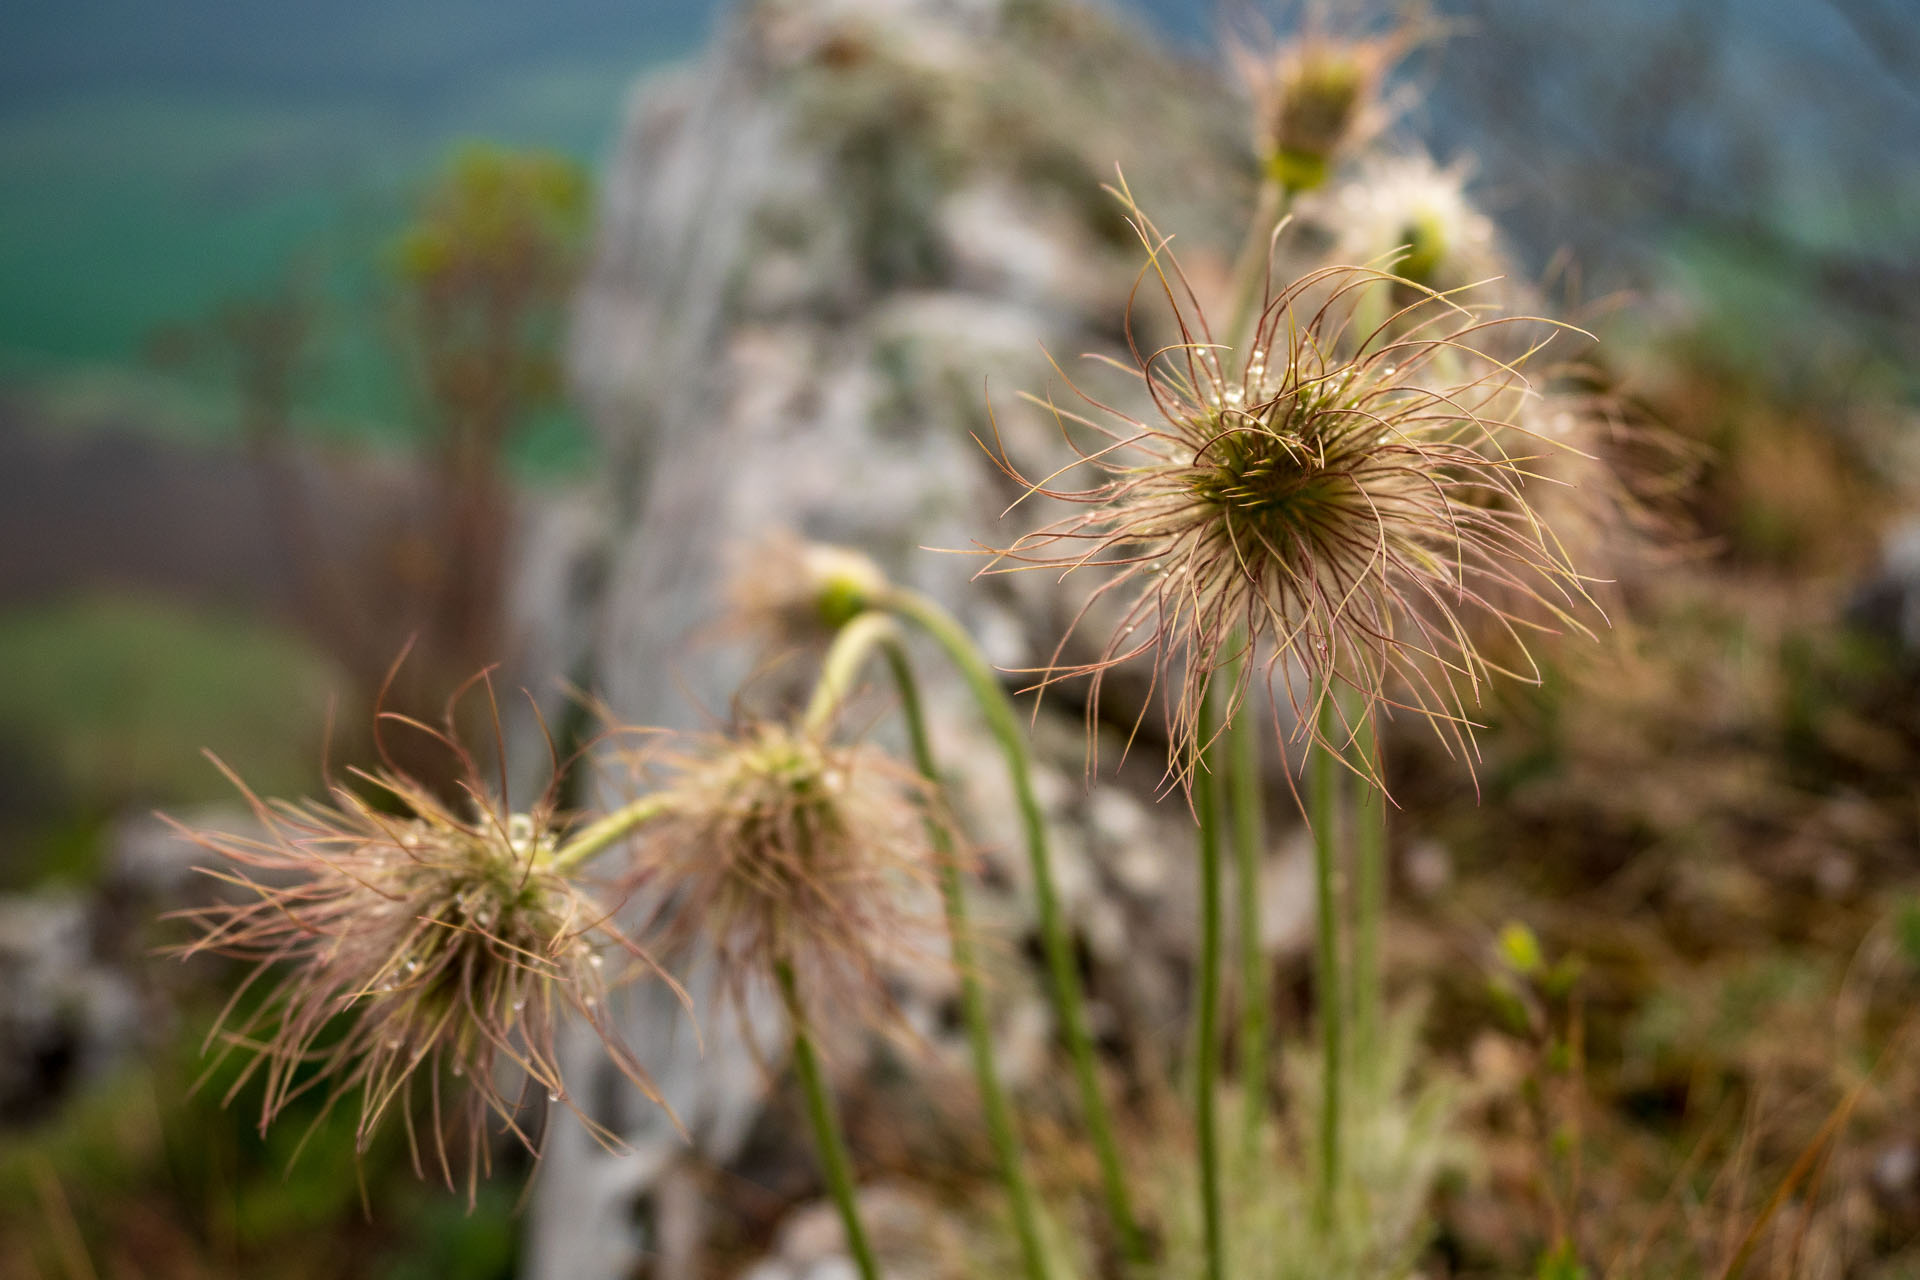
148	1176
92	727
112	698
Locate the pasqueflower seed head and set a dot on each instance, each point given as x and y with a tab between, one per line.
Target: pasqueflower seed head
1317	100
794	591
1413	216
778	847
408	944
1352	502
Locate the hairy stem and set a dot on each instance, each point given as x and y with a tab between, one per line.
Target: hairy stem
1251	266
973	1001
1369	817
1249	841
835	1164
1063	975
1207	1057
852	645
1323	811
602	834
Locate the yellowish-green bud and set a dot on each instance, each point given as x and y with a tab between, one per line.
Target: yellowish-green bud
841	582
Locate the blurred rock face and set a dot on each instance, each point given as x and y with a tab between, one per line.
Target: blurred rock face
819	249
818	246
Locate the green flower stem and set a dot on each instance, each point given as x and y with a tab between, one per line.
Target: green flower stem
1206	806
973	1001
1064	976
598	836
1250	268
1249	842
1323	809
852	645
1369	817
835	1164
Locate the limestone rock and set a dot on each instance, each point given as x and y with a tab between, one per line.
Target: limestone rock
820	248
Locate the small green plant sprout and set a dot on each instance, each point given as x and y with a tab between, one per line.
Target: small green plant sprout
1363	515
413	944
1538	999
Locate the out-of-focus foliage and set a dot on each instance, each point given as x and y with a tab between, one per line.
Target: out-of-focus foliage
147	1176
484	270
92	725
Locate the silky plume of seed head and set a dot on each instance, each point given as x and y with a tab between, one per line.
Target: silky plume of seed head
1602	483
408	946
781	848
1353	503
1318	99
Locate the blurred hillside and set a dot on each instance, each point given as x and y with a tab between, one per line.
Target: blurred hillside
160	158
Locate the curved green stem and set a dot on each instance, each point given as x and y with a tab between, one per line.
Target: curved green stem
1323	804
1251	267
1249	843
835	1164
973	1001
598	836
1207	1056
1064	977
840	669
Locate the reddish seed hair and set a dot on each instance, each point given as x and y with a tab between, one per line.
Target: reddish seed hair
413	947
781	847
1353	497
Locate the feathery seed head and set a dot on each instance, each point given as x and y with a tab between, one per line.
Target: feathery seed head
411	943
797	591
779	847
1415	214
1317	105
1348	498
1317	100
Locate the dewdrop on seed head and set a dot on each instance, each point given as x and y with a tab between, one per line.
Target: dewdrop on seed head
1363	515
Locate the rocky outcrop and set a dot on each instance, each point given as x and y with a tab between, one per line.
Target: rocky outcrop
820	248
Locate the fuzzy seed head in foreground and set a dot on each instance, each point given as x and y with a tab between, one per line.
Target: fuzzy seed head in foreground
409	948
1355	514
780	848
